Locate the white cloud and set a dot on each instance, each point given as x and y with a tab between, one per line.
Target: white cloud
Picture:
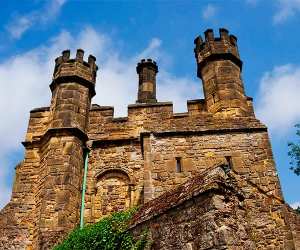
19	26
22	23
285	10
25	78
51	10
209	11
295	204
278	102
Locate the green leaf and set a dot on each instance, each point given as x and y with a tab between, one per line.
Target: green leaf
110	233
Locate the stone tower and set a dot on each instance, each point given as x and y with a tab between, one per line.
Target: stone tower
147	70
61	152
219	67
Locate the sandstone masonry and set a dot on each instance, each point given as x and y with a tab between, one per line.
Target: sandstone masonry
205	179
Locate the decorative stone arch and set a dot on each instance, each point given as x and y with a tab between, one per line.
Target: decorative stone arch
118	169
113	191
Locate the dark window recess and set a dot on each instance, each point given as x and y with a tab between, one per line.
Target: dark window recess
178	165
228	166
229	161
213	97
110	188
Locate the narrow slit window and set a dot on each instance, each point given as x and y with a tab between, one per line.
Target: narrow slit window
229	161
228	167
213	97
178	165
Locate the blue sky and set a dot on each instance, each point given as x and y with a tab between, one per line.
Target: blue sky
119	33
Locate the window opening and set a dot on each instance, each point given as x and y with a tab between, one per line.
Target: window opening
228	167
178	165
213	97
229	161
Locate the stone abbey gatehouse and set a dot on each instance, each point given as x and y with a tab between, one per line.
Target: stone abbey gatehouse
205	179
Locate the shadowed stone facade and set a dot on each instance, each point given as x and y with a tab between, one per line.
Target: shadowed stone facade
205	178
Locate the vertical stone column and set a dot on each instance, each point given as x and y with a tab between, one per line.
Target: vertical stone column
148	186
58	197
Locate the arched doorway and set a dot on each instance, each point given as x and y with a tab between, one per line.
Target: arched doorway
112	192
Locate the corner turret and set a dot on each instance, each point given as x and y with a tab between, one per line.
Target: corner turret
72	87
219	66
62	155
75	69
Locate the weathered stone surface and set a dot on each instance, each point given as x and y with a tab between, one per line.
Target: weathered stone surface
205	178
210	211
47	191
147	70
203	213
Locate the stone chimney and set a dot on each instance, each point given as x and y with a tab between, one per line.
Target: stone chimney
147	70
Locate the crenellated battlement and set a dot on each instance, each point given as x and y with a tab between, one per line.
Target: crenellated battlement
66	67
149	63
155	117
215	48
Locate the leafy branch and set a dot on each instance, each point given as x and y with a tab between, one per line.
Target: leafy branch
294	153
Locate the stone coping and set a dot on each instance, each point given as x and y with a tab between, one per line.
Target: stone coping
154	104
57	132
41	109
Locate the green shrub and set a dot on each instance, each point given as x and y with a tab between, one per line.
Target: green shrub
110	233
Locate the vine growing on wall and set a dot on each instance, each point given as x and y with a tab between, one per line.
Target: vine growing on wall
110	233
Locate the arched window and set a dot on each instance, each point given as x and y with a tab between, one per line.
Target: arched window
112	192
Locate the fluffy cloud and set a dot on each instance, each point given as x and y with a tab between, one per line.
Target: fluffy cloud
286	9
21	23
209	11
278	99
25	79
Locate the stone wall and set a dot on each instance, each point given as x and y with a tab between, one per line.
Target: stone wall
18	218
159	117
116	166
249	153
293	220
152	139
203	213
133	160
58	194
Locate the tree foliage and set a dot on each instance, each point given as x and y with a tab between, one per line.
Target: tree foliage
294	153
110	233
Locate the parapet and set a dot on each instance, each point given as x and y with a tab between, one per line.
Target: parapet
149	63
216	48
66	67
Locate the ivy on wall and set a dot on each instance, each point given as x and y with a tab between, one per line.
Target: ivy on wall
110	233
